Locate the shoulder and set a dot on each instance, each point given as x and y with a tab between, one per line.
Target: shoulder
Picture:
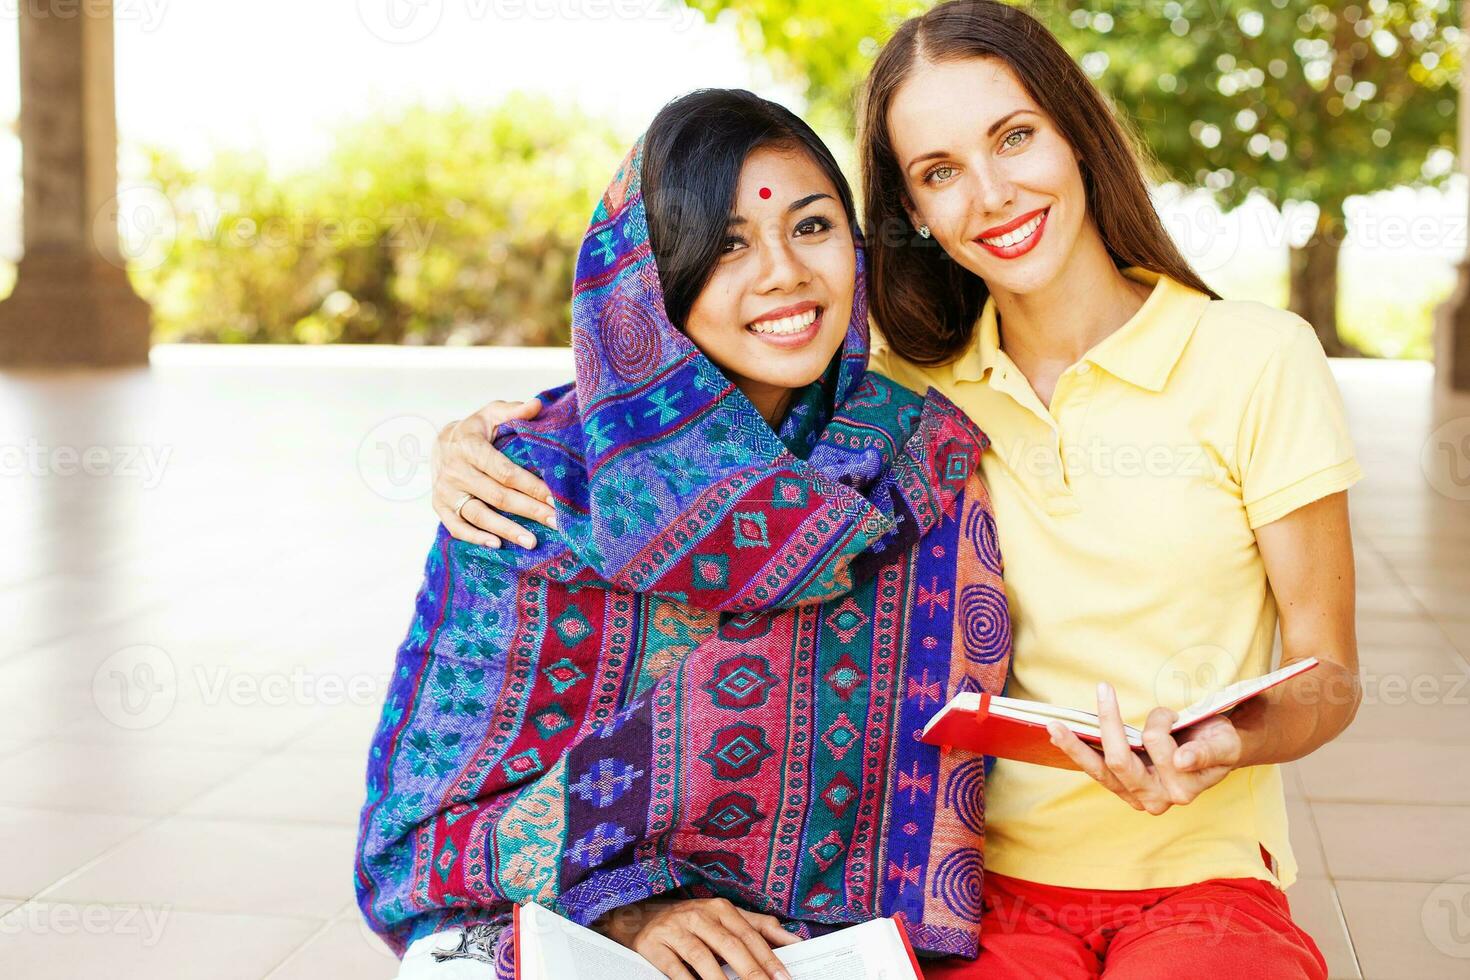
884	361
1248	335
1240	346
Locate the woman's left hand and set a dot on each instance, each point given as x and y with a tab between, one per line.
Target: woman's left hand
1175	771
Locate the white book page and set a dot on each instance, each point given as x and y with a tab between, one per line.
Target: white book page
556	948
1212	703
1081	722
1086	723
1093	728
870	951
969	701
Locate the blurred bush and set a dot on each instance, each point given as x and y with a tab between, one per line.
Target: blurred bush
457	225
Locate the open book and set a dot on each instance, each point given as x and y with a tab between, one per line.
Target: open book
551	947
1012	728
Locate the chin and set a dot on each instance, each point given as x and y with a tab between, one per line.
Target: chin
1032	274
794	379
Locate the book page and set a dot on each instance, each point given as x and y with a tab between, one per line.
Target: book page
1081	722
870	951
1213	704
556	948
1040	712
968	701
1036	712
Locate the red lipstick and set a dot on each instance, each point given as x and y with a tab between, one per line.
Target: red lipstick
1016	249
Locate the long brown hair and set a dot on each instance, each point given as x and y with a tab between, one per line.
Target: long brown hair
926	303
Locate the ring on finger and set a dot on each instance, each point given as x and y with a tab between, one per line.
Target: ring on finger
459	505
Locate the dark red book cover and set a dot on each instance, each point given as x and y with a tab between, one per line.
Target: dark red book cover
988	732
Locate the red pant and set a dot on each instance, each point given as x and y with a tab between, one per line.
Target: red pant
1227	927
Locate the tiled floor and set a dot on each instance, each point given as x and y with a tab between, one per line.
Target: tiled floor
196	634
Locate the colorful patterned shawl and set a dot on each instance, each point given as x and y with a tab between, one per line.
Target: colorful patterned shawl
713	677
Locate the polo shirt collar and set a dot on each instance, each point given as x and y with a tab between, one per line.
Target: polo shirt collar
1142	351
984	350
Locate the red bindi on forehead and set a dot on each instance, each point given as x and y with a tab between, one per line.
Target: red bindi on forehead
765	193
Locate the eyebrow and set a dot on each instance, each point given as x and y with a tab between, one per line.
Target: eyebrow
796	205
936	154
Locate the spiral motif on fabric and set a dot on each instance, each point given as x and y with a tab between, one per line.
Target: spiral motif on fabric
505	954
986	623
630	338
980	529
957	883
965	794
588	365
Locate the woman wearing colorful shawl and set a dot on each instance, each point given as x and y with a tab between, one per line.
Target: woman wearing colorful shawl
771	568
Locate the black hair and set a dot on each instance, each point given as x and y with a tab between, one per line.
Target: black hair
692	157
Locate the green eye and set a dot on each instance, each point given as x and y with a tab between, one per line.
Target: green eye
1023	132
936	173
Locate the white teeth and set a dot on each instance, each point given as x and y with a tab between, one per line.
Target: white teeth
785	325
1018	235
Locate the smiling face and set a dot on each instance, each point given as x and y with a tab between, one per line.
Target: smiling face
776	308
989	172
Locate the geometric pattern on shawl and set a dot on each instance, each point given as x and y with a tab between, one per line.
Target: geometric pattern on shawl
710	679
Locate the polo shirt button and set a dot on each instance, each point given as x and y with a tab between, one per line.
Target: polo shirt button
1083	368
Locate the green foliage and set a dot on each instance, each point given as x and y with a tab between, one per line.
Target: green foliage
827	47
454	225
1301	100
1296	99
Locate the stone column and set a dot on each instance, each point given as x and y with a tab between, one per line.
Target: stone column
1452	326
72	304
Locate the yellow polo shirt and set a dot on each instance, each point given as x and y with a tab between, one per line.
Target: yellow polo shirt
1126	514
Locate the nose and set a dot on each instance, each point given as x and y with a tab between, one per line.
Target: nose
781	266
994	192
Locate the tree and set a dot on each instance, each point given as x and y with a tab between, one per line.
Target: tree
423	226
1293	99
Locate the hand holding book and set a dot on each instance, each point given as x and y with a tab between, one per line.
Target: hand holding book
691	936
1163	775
1174	758
550	947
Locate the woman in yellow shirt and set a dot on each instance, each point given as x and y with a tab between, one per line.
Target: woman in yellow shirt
1168	473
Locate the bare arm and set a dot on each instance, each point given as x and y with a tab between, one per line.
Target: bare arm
1309	561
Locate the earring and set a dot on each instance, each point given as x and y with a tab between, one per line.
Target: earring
923	231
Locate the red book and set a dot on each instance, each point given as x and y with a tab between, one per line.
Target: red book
1012	728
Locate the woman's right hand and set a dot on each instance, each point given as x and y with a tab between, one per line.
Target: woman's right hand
694	934
465	461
